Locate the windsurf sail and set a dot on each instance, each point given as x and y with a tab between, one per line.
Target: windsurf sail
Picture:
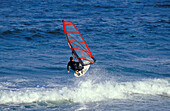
80	49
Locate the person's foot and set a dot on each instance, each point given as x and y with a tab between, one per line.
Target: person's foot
77	72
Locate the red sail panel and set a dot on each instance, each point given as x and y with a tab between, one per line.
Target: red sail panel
77	44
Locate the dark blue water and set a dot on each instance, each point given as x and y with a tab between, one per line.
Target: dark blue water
129	39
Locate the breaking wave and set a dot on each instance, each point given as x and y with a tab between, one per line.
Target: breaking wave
88	90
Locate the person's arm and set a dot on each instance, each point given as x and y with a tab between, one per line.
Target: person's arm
68	67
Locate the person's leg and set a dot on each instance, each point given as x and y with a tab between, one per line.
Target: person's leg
77	70
77	66
80	68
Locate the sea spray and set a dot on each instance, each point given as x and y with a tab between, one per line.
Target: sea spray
87	91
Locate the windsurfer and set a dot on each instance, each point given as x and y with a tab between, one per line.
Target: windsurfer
74	65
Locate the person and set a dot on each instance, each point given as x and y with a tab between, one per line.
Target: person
74	65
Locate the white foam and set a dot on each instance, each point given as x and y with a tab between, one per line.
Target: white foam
87	91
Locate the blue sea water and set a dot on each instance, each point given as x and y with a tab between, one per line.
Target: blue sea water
129	39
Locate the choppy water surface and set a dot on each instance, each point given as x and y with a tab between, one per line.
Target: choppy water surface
129	39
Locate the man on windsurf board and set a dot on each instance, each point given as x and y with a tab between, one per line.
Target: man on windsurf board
79	48
74	66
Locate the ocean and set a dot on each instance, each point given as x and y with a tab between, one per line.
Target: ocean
130	40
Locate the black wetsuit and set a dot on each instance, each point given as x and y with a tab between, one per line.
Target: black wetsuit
74	66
